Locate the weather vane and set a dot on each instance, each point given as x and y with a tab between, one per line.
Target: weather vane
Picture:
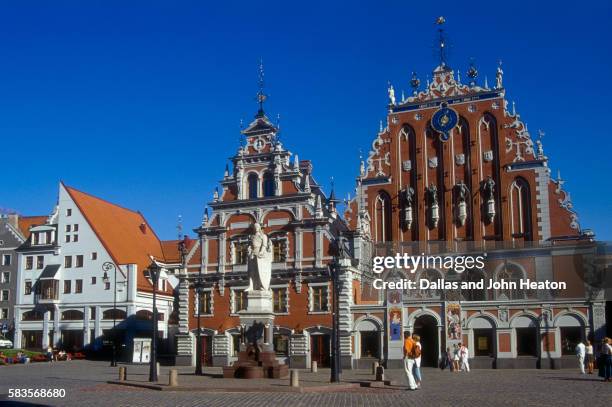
441	40
261	96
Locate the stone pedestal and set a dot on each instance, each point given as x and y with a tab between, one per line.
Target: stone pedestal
256	358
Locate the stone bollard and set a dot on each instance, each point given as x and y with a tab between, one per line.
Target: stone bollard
380	374
313	366
294	378
173	378
374	367
122	373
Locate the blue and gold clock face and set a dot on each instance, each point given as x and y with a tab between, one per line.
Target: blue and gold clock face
443	121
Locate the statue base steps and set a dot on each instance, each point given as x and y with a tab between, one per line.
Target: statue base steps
261	366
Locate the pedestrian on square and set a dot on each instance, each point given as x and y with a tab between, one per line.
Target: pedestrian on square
455	358
605	360
409	360
590	358
581	353
464	356
417	360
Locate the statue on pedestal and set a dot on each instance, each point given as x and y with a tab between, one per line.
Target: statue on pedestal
259	260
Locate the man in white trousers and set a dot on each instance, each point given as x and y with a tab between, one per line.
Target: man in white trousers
409	361
581	352
464	355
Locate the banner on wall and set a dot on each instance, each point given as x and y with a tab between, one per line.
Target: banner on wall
453	321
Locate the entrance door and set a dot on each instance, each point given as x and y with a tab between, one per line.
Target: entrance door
527	341
427	328
206	350
319	349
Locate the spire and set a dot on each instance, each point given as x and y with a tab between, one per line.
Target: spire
261	96
442	45
226	173
318	208
205	217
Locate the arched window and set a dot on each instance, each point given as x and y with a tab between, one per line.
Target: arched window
253	181
268	184
382	218
116	313
511	276
32	316
433	276
473	294
520	209
72	315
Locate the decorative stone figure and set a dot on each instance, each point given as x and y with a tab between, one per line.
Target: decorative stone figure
462	194
488	188
499	77
434	210
391	95
408	201
259	260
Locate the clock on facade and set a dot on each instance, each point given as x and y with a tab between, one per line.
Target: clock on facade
444	120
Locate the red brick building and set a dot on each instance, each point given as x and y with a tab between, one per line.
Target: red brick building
454	171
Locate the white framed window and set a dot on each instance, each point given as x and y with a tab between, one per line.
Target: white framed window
6	277
280	299
204	303
40	262
68	212
75	227
79	260
29	262
67	239
4	313
75	238
27	288
319	298
68	228
6	259
238	298
5	295
68	262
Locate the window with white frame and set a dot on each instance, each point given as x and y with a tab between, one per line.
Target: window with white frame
40	262
205	303
239	300
319	297
240	251
279	299
4	313
279	249
6	277
27	288
4	295
6	259
29	262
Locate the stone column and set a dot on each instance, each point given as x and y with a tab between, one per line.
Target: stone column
45	329
56	325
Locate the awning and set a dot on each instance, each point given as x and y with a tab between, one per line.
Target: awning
49	272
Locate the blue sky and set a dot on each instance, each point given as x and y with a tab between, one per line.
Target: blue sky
140	102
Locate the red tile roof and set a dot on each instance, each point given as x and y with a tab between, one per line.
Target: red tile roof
26	222
125	233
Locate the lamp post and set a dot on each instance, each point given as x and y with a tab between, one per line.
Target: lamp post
198	288
154	270
107	266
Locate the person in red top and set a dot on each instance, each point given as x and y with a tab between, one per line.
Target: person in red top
409	359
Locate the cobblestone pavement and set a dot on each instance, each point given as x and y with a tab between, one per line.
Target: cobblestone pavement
85	385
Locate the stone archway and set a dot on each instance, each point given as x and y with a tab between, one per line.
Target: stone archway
426	327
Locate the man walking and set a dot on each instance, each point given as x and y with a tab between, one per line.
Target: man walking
463	356
409	359
581	352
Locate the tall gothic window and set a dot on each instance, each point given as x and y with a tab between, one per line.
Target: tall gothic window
511	274
253	181
473	294
268	184
382	219
520	209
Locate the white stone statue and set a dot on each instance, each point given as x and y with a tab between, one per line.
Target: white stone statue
259	260
391	94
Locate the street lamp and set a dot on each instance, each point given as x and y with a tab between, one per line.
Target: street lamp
154	271
198	288
107	266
